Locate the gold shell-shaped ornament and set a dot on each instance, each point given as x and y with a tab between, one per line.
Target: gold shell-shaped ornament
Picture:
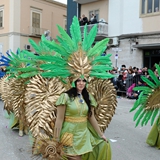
153	101
50	149
79	65
105	95
41	95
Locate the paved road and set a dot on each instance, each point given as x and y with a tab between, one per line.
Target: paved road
128	142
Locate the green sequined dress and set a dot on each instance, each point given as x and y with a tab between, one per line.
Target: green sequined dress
85	140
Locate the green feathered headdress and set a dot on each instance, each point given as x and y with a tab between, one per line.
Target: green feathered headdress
77	56
148	103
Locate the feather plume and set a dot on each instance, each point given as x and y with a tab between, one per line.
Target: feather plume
153	76
151	84
66	39
98	48
75	32
34	45
89	39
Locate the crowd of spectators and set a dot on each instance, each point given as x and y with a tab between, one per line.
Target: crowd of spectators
127	78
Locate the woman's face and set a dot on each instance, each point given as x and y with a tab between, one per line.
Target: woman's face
80	84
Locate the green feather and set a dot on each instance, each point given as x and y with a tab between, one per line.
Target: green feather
153	76
34	45
138	112
89	39
140	117
134	106
140	96
84	44
53	67
66	39
143	88
64	45
57	48
145	118
103	75
100	68
151	84
27	75
149	117
102	60
27	69
57	59
155	112
98	48
29	54
18	51
11	76
43	38
75	32
55	74
158	68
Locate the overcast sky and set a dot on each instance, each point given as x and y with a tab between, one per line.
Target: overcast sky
62	1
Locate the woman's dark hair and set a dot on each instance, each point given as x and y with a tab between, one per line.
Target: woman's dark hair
72	93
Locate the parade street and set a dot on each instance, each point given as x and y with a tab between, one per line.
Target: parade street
127	142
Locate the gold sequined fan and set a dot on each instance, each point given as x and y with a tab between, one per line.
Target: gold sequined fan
105	95
41	96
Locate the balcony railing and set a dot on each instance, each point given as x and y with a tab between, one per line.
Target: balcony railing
102	29
36	31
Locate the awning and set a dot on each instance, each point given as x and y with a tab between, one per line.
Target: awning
147	46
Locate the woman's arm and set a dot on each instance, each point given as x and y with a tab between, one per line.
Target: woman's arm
59	121
94	123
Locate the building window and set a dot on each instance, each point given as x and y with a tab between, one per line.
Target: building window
95	12
156	5
1	16
150	6
36	15
35	20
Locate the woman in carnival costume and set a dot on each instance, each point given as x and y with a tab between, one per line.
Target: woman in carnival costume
68	98
148	106
86	106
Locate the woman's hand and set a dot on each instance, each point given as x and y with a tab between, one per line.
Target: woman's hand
105	139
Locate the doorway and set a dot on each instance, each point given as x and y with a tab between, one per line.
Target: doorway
151	57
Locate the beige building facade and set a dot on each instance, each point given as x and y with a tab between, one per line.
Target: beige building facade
133	27
24	19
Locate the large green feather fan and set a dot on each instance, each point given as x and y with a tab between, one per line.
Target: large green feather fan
148	104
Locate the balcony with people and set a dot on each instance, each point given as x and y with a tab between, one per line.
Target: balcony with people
102	26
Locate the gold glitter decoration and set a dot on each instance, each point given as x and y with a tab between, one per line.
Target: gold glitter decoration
5	91
67	139
79	65
105	95
18	88
50	149
153	100
41	95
